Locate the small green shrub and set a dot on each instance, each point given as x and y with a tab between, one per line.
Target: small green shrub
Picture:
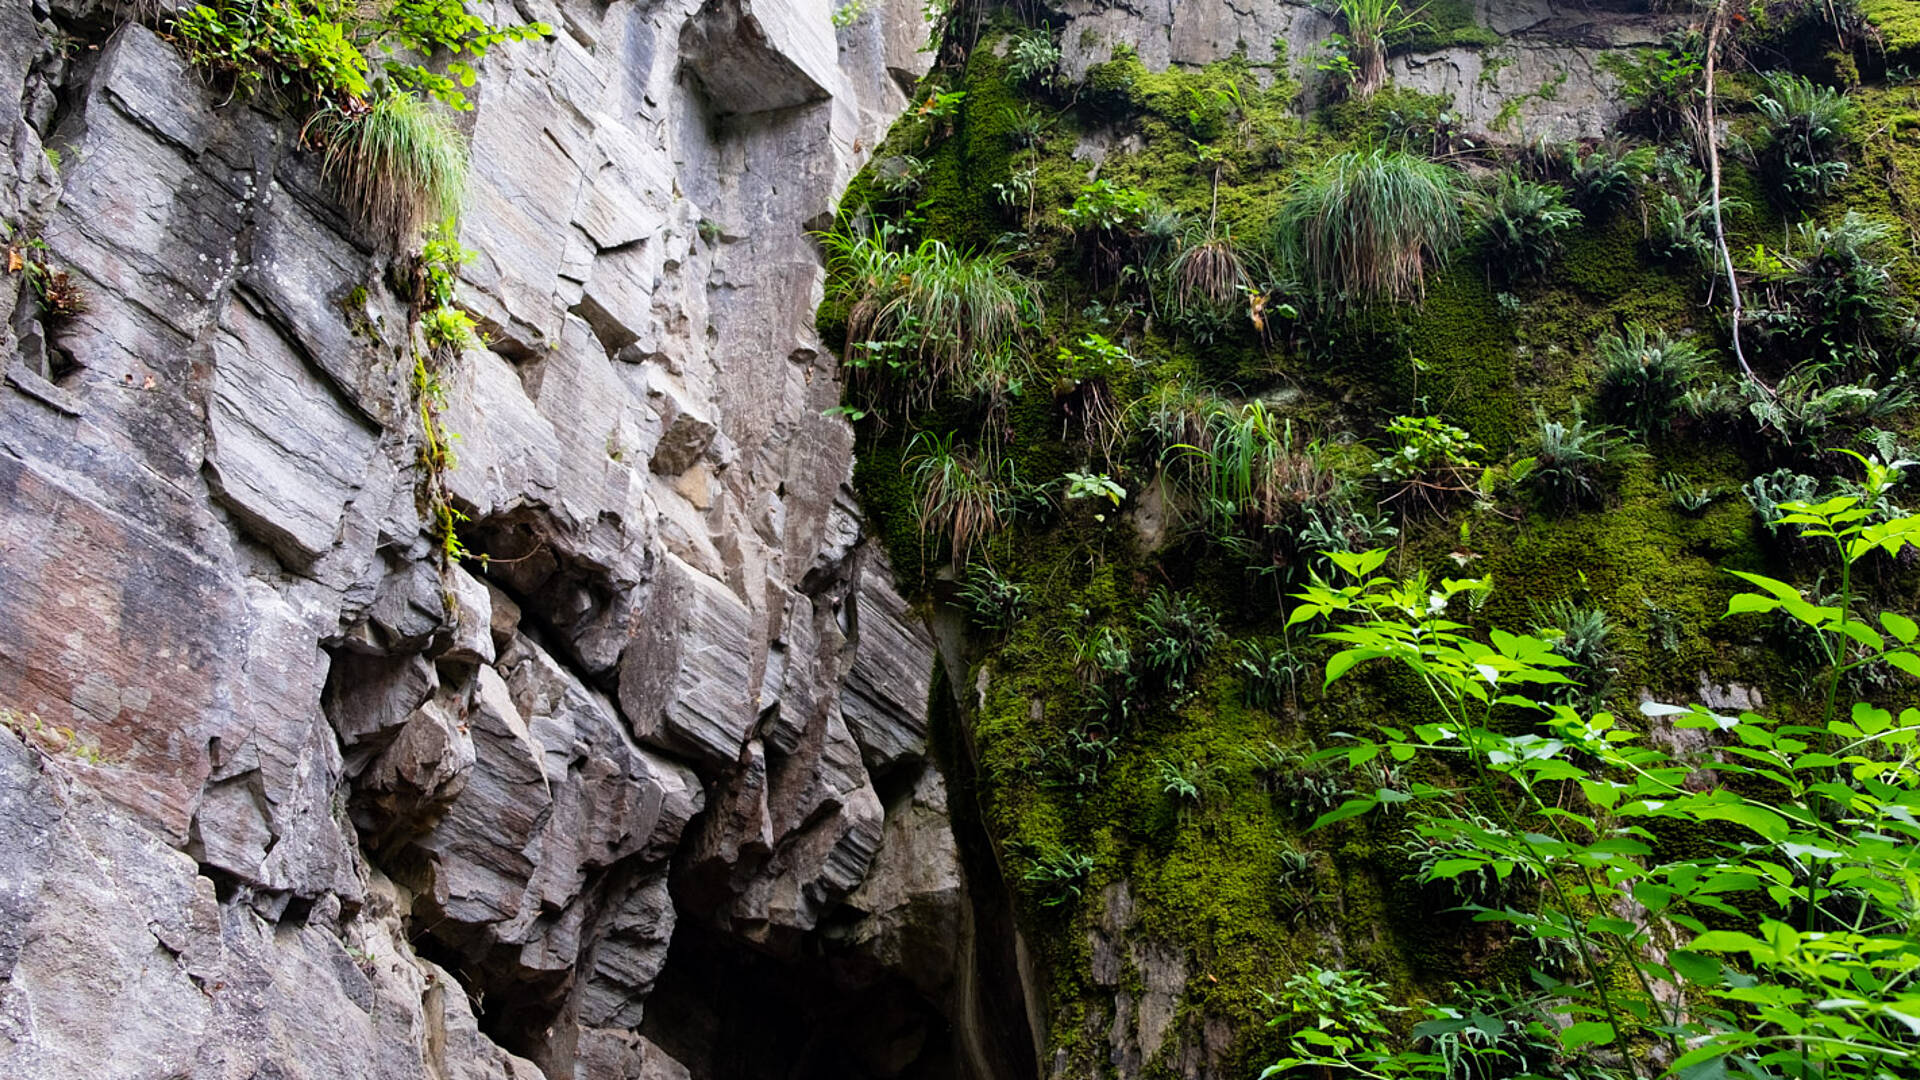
1644	379
1188	786
398	162
1570	458
1057	875
1369	26
1832	302
1525	225
1179	632
1271	672
1806	128
1579	634
1101	206
1369	226
1607	178
1430	463
1033	56
993	603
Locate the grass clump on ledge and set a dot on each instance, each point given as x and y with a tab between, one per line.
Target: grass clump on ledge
930	317
1371	225
398	163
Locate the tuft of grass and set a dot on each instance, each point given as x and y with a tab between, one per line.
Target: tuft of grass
931	317
1369	24
1371	225
1208	274
956	495
400	163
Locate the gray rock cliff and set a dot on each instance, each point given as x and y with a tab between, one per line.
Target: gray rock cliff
283	797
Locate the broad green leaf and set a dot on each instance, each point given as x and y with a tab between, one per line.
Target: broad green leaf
1586	1033
1349	809
1903	629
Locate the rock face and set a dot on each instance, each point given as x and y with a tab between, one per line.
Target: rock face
1541	79
295	798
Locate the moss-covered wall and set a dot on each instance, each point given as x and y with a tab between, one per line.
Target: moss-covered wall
1486	353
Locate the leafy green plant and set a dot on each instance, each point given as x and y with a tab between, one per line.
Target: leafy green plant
397	161
1271	672
1102	206
1057	875
993	603
1579	633
1686	497
1369	26
1332	1016
1525	225
1662	85
1032	56
1569	460
1336	524
1253	469
1786	949
1178	632
1095	487
1645	378
1832	302
1429	464
1026	126
1368	226
1188	786
957	496
1608	177
900	175
849	12
1806	127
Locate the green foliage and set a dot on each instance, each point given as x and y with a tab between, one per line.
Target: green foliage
1525	225
397	161
1369	226
1033	57
1178	632
993	603
1252	469
1333	1016
1579	633
1832	301
958	497
301	45
1207	276
1806	127
928	318
320	48
1189	786
1369	26
1644	378
1662	85
1783	946
1057	875
849	12
1272	673
1101	206
1430	462
1608	177
1569	459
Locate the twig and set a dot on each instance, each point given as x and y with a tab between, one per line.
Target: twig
1711	138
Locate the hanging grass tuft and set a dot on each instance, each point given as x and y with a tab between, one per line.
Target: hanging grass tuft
1370	225
399	164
